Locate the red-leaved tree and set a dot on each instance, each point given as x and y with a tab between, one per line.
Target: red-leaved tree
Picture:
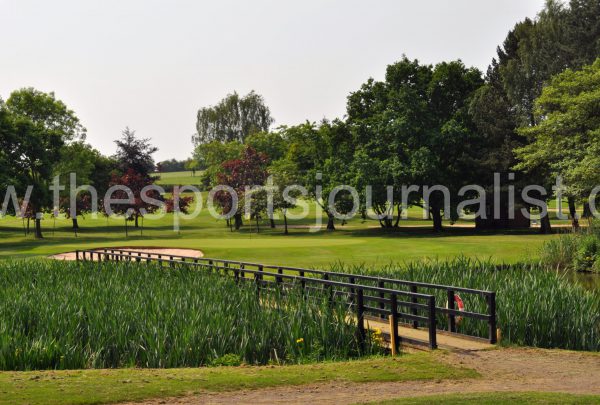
247	171
137	206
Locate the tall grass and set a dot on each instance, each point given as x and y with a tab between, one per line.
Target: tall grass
59	315
535	307
574	251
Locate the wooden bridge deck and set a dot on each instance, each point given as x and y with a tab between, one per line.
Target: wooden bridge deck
419	338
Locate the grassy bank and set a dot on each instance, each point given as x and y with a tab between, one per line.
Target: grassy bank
57	315
110	386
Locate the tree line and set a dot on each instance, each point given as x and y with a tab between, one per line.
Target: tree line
532	117
45	165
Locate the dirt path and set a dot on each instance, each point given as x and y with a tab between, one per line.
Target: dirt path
502	370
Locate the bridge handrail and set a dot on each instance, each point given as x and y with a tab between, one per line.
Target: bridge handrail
450	312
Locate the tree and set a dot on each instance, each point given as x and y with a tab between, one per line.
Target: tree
134	159
285	173
136	182
41	125
134	153
233	119
567	135
210	156
90	168
535	50
241	174
192	165
7	143
45	110
318	154
172	165
269	143
413	128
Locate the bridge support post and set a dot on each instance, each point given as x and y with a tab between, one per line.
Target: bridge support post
451	317
432	323
360	317
381	284
413	289
491	298
394	338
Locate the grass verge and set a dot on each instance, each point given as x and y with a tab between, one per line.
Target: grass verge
108	386
499	398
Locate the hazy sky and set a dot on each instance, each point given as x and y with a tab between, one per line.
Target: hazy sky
151	64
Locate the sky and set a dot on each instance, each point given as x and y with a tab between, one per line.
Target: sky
151	65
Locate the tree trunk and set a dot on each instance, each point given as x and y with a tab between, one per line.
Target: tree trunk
137	216
272	223
75	223
257	225
38	229
285	232
238	221
545	226
573	214
436	214
330	223
28	220
398	217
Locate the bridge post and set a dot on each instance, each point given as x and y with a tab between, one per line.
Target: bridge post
381	284
328	288
451	317
236	274
395	339
413	289
302	282
257	281
432	323
491	298
360	317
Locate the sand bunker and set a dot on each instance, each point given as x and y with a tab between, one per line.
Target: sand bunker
155	251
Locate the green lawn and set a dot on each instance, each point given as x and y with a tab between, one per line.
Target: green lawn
107	386
357	241
178	178
500	398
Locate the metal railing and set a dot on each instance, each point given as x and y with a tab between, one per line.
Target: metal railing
366	295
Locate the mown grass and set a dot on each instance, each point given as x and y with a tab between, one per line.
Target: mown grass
356	242
109	386
178	178
499	398
535	307
59	315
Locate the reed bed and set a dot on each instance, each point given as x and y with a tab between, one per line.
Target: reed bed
535	306
60	315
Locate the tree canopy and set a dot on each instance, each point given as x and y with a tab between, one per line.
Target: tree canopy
232	119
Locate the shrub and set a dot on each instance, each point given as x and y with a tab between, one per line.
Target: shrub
559	253
588	252
579	251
